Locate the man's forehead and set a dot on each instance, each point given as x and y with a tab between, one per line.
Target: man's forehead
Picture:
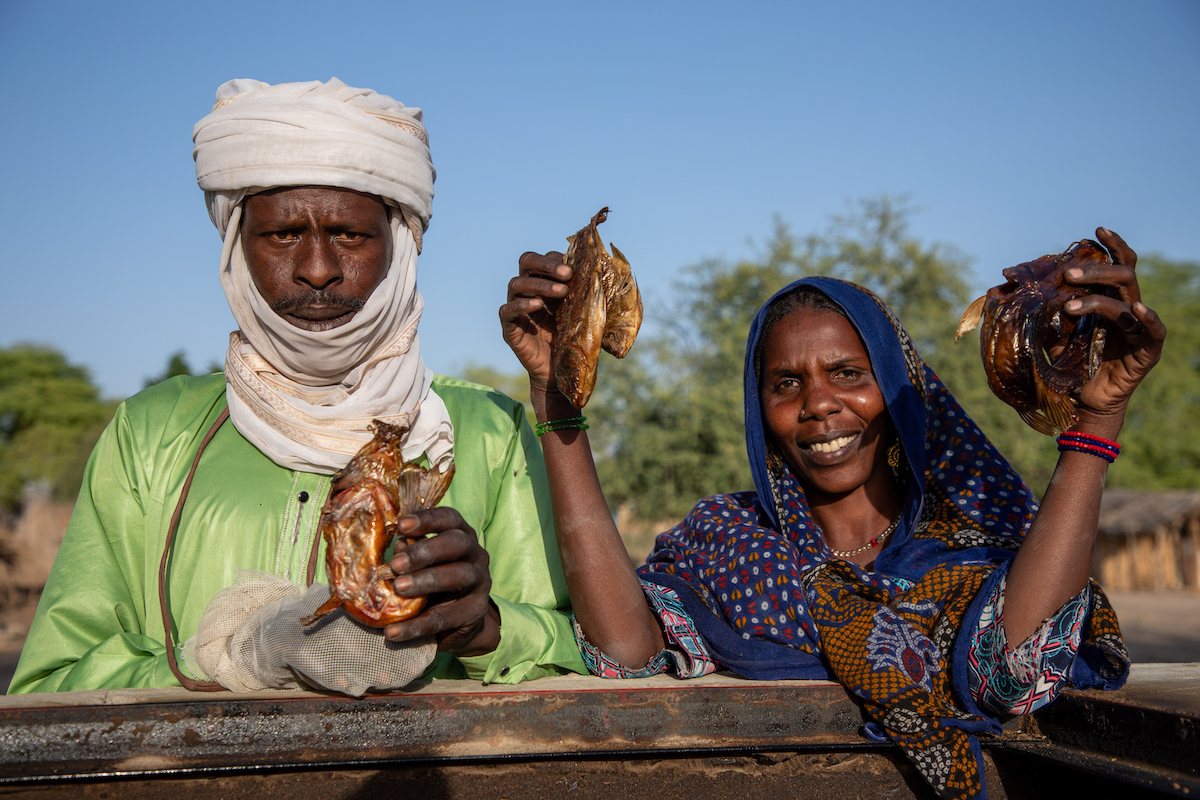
300	199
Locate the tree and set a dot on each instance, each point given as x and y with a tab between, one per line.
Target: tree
1161	437
177	364
50	417
514	385
667	420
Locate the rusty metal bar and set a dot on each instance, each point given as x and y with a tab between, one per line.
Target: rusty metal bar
573	729
579	717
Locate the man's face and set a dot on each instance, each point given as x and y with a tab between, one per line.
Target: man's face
316	253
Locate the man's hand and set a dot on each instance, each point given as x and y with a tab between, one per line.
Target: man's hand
451	569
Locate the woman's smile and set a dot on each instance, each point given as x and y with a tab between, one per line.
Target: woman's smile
822	405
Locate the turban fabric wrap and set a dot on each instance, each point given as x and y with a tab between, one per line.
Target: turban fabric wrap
306	398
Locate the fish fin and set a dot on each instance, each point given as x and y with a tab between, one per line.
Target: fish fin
970	318
619	256
1056	411
434	484
1062	415
418	489
332	604
1036	419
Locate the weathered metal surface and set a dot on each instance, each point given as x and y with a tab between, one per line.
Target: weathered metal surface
1154	720
559	717
813	776
714	737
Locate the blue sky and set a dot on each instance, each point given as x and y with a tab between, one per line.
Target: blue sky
1015	128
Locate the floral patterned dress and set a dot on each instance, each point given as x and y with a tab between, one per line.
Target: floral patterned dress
746	582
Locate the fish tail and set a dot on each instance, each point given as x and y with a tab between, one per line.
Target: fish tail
332	604
970	318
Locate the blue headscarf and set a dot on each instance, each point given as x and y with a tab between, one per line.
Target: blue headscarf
771	601
943	451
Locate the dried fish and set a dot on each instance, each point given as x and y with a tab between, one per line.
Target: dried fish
602	310
361	518
1037	358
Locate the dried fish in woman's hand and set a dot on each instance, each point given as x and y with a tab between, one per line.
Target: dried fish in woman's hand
602	309
361	518
1037	358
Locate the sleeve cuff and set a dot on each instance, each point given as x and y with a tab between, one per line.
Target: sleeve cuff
1020	680
525	630
685	653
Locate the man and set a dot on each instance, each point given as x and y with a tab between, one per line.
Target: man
322	193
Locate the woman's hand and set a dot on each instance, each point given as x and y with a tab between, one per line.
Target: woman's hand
1135	333
1055	560
451	569
528	316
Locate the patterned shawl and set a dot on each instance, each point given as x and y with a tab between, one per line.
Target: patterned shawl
771	601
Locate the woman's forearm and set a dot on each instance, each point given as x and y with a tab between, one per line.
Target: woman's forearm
1055	560
606	594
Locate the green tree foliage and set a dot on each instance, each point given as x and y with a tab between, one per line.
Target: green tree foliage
667	420
514	385
1161	438
177	364
50	417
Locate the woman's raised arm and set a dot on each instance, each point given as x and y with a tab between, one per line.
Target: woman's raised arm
605	591
1055	561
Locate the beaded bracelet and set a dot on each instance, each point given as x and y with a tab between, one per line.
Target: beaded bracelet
1089	443
571	423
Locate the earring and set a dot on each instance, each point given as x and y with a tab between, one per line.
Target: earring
894	454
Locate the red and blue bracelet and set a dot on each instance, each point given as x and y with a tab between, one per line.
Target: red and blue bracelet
1089	443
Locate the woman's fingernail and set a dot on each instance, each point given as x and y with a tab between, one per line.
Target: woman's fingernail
1074	305
402	584
1140	307
408	523
1074	273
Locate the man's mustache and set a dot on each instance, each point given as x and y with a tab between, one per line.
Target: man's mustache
317	298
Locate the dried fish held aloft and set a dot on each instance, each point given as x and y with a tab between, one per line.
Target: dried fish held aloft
1037	358
602	310
361	518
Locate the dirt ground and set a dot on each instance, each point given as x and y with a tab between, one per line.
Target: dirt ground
1158	627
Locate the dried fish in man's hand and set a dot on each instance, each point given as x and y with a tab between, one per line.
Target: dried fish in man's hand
361	518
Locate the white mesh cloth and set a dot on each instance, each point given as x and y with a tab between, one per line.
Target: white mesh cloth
250	639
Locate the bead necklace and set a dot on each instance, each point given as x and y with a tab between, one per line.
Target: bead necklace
877	541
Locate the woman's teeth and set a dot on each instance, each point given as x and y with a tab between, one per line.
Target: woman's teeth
830	447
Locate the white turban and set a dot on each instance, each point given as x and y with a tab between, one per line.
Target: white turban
306	398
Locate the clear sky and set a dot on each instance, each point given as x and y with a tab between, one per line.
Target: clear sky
1016	128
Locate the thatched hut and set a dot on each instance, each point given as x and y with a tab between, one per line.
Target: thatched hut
1148	541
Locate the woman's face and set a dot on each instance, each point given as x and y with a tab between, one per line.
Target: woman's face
821	404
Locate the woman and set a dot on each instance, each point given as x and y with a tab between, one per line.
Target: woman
882	525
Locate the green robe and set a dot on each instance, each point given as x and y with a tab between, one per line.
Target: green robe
99	623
